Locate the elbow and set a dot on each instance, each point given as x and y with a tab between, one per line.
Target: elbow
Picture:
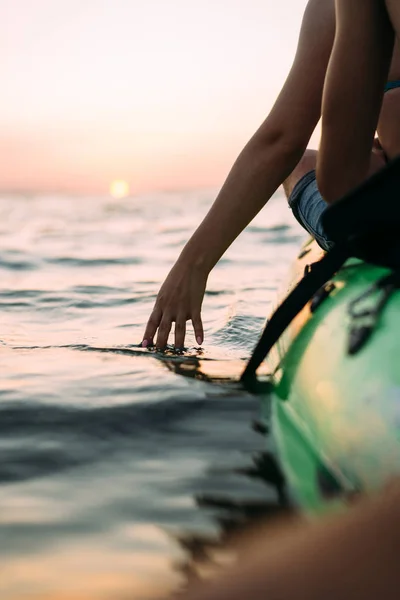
281	143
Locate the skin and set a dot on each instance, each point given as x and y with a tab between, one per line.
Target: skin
386	146
352	556
276	149
378	160
358	69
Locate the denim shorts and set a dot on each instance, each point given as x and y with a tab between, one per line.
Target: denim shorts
307	205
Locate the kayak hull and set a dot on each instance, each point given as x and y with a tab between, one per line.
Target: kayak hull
336	416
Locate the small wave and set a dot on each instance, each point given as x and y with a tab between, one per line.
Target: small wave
49	439
107	303
273	229
17	265
96	289
240	332
94	262
16	305
20	293
216	292
287	239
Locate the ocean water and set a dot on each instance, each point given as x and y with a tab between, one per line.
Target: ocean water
123	471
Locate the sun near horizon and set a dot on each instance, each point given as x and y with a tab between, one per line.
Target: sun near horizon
123	86
119	188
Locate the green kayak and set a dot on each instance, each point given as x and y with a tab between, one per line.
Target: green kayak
333	352
336	414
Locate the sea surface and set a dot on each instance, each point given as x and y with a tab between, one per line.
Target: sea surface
123	470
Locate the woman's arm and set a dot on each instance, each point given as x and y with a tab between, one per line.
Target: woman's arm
262	166
353	94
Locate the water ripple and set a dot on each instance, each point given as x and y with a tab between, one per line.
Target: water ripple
104	445
94	262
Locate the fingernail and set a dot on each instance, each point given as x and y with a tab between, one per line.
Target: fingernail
199	340
145	343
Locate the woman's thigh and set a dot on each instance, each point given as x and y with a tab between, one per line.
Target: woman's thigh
307	163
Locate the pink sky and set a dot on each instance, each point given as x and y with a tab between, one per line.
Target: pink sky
161	94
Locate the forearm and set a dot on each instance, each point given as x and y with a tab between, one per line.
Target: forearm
259	170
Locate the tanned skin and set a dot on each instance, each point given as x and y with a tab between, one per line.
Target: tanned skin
352	556
278	146
353	94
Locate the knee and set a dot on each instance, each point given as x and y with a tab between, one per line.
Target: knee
308	161
306	164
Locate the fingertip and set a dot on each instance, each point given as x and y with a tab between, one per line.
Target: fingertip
198	331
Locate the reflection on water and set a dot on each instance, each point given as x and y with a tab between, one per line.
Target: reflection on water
124	472
204	555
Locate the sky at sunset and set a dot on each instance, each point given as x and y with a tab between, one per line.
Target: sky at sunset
161	94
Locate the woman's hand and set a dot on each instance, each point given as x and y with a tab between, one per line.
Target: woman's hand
179	299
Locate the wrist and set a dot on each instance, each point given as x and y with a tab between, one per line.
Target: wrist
195	259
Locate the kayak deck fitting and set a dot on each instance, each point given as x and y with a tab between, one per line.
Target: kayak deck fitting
333	348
